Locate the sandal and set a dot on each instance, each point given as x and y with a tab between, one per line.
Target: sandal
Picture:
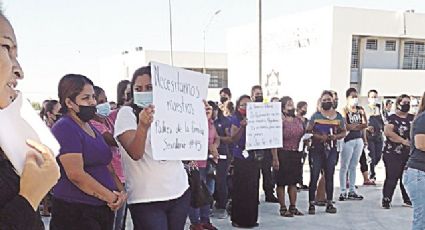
295	211
283	210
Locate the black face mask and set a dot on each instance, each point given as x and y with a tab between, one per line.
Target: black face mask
335	105
223	99
290	113
327	105
303	112
405	108
259	99
86	113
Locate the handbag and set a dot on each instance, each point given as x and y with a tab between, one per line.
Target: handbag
200	194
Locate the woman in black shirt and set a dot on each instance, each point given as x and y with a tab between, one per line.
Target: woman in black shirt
396	150
20	196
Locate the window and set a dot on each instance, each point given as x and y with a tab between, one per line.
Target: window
355	53
372	44
390	45
218	77
414	55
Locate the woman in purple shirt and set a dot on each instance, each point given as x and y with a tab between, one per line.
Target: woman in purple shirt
246	175
86	195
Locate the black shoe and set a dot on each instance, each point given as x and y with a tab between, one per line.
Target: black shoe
343	197
330	209
272	199
386	203
407	203
354	196
304	187
311	209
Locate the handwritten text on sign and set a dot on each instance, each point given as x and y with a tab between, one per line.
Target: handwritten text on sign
264	130
180	128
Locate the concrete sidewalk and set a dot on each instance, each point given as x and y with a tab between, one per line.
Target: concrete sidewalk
352	215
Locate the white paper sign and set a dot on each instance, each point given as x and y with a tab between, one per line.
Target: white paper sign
180	129
19	122
264	129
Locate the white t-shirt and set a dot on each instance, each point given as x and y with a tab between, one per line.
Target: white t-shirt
148	180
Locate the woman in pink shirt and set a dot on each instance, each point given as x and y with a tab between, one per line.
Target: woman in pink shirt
105	125
287	160
200	217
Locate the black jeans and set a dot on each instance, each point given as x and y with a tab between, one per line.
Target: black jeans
162	215
375	145
363	162
266	171
221	187
394	167
76	216
322	159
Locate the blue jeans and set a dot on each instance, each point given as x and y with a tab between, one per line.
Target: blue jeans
349	159
202	215
120	217
414	181
320	159
162	215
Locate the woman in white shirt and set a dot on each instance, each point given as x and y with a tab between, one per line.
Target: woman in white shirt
158	194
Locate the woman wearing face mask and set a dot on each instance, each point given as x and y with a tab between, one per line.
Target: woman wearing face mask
86	195
356	122
52	112
105	125
287	160
327	127
246	172
396	150
158	194
20	195
200	217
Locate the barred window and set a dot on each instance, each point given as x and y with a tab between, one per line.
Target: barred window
355	53
390	45
372	44
414	55
218	77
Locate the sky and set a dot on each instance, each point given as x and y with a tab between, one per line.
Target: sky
56	37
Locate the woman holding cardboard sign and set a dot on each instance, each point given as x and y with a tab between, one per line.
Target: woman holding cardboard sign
246	171
20	196
158	190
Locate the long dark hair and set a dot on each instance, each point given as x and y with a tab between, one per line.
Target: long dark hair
121	87
69	87
284	100
238	104
399	99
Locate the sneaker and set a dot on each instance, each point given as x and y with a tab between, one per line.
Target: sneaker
386	203
354	196
407	203
272	199
196	227
220	214
311	209
208	226
330	209
343	197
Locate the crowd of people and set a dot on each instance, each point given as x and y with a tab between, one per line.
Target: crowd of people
106	166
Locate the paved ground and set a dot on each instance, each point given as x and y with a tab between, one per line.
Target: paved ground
358	215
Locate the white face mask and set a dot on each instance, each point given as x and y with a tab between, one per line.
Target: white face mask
354	101
104	109
373	101
143	99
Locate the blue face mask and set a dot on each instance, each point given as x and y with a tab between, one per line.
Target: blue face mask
104	109
143	99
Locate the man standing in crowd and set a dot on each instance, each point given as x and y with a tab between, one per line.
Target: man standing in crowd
374	131
387	111
266	164
301	113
